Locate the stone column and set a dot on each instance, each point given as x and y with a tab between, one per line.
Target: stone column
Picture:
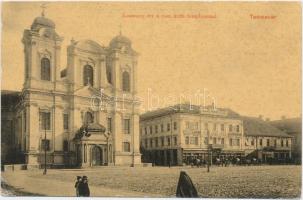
57	61
116	72
102	73
33	61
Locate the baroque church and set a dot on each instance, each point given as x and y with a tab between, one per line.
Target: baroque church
84	115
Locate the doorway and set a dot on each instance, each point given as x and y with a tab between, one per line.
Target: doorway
97	156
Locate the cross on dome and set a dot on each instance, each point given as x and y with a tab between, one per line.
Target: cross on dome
43	7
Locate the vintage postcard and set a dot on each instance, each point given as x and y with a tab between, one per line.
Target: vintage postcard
151	99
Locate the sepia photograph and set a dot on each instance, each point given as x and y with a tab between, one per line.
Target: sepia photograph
157	99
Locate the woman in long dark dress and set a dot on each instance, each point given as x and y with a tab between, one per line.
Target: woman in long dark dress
83	187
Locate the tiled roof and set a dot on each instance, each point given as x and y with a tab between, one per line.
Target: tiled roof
291	125
258	127
190	109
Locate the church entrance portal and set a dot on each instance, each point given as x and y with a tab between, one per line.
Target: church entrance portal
97	158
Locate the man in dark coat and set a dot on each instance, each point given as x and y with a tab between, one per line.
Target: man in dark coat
77	185
83	187
186	187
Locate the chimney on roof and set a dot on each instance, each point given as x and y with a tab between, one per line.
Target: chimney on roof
261	117
283	117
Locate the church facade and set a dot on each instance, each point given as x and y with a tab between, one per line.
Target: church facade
84	115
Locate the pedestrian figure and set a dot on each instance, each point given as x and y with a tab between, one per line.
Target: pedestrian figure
83	187
77	185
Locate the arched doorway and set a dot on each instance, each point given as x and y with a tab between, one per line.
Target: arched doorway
97	158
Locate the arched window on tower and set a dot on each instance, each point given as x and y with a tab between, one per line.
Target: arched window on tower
125	82
88	75
89	118
45	69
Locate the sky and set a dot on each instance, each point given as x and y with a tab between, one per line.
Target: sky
250	65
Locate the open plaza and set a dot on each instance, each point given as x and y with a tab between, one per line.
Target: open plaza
266	181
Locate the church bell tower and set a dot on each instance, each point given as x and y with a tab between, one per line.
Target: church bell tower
42	46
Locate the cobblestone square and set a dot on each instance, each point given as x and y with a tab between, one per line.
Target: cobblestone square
222	182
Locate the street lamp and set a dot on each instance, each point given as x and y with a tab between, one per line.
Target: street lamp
45	170
209	155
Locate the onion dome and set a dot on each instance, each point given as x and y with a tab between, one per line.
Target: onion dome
119	41
42	22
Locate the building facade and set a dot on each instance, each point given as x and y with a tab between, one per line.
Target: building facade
266	142
293	127
176	134
83	115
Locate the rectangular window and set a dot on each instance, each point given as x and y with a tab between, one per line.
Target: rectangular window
275	143
230	142
267	142
222	141
238	128
150	130
127	126
205	140
260	142
215	140
110	125
187	125
215	127
252	142
175	125
126	146
168	141
168	127
156	129
197	125
65	145
65	121
286	142
151	142
237	142
194	140
162	127
145	130
282	143
156	141
175	141
45	122
222	127
45	145
186	140
162	141
145	141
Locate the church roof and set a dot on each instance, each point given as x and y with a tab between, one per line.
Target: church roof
44	22
121	39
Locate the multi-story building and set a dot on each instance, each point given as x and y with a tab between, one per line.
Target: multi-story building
85	114
264	141
174	134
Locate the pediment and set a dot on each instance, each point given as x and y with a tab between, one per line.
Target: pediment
87	91
90	92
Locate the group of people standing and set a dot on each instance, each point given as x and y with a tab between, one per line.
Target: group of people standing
81	185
